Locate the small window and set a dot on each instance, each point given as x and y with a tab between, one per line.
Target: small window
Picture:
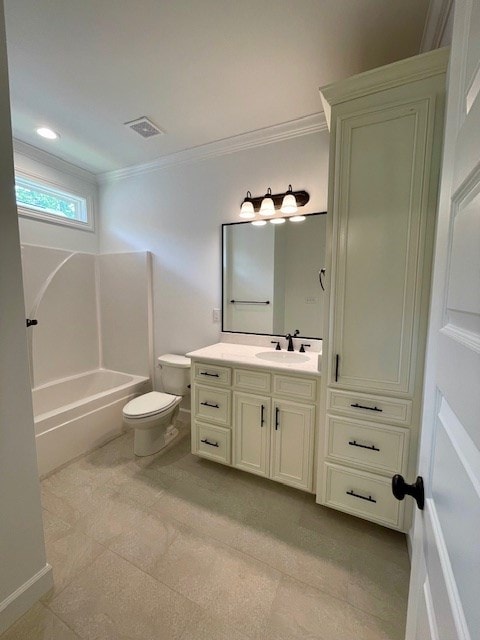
48	203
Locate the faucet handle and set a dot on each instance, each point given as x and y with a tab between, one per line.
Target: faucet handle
302	348
277	342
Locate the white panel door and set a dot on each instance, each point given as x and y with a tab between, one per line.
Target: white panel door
445	582
251	427
292	443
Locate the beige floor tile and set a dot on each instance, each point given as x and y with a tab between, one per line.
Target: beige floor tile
39	623
111	519
379	587
210	628
53	527
300	553
113	600
76	503
69	553
368	536
198	504
301	612
146	544
240	591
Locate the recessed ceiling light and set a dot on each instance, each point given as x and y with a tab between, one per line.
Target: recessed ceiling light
45	132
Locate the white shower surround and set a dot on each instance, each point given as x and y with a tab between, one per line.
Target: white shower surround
79	413
92	350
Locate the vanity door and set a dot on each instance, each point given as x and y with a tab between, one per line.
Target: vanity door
251	427
292	443
379	207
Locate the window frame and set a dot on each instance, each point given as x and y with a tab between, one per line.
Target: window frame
35	213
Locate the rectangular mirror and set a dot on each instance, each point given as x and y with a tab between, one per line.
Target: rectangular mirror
272	277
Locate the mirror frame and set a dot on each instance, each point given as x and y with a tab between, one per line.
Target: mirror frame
250	333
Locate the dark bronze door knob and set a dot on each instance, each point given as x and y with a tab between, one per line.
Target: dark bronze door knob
400	489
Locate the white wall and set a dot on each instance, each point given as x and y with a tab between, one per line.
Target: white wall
177	212
22	551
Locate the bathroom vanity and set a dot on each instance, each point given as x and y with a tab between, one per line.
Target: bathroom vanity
256	409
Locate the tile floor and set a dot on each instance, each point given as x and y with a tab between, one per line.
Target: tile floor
172	547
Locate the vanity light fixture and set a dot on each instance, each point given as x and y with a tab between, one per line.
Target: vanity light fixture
259	223
247	210
289	204
277	220
297	218
267	205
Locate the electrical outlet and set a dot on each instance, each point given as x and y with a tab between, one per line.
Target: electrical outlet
216	315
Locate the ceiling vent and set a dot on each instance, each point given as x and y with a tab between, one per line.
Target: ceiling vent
144	127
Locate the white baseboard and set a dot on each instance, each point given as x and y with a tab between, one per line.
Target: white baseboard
20	601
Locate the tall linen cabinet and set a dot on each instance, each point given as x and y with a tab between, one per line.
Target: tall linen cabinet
386	129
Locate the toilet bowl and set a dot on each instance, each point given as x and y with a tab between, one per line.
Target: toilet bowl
152	415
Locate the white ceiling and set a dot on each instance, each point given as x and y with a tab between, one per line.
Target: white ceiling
202	70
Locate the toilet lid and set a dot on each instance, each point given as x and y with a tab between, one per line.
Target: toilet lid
148	404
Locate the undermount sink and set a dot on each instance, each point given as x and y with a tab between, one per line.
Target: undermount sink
282	356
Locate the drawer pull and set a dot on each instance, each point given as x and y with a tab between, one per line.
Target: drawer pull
362	406
210	444
209	404
277	419
262	416
354	443
357	495
211	375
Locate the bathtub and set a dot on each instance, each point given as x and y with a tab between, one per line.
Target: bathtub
77	414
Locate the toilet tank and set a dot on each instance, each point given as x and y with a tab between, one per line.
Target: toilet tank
175	373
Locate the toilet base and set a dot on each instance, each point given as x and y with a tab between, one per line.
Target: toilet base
149	441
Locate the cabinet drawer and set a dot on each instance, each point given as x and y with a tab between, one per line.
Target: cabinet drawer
302	388
212	374
379	447
212	405
363	494
362	405
248	380
213	442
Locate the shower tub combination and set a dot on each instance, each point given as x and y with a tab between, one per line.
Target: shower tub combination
77	414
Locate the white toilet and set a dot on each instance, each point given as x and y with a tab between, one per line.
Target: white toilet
153	414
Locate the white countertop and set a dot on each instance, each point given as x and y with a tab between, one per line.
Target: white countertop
245	355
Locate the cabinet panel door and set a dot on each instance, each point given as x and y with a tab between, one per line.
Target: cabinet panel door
251	426
380	196
292	443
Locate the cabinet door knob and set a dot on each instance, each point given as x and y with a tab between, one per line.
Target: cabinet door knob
400	489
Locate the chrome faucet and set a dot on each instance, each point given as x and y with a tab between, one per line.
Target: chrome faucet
290	338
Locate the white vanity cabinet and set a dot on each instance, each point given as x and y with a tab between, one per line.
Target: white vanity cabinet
386	133
271	426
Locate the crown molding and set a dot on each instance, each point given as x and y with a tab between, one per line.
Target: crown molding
45	158
438	15
392	75
306	125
